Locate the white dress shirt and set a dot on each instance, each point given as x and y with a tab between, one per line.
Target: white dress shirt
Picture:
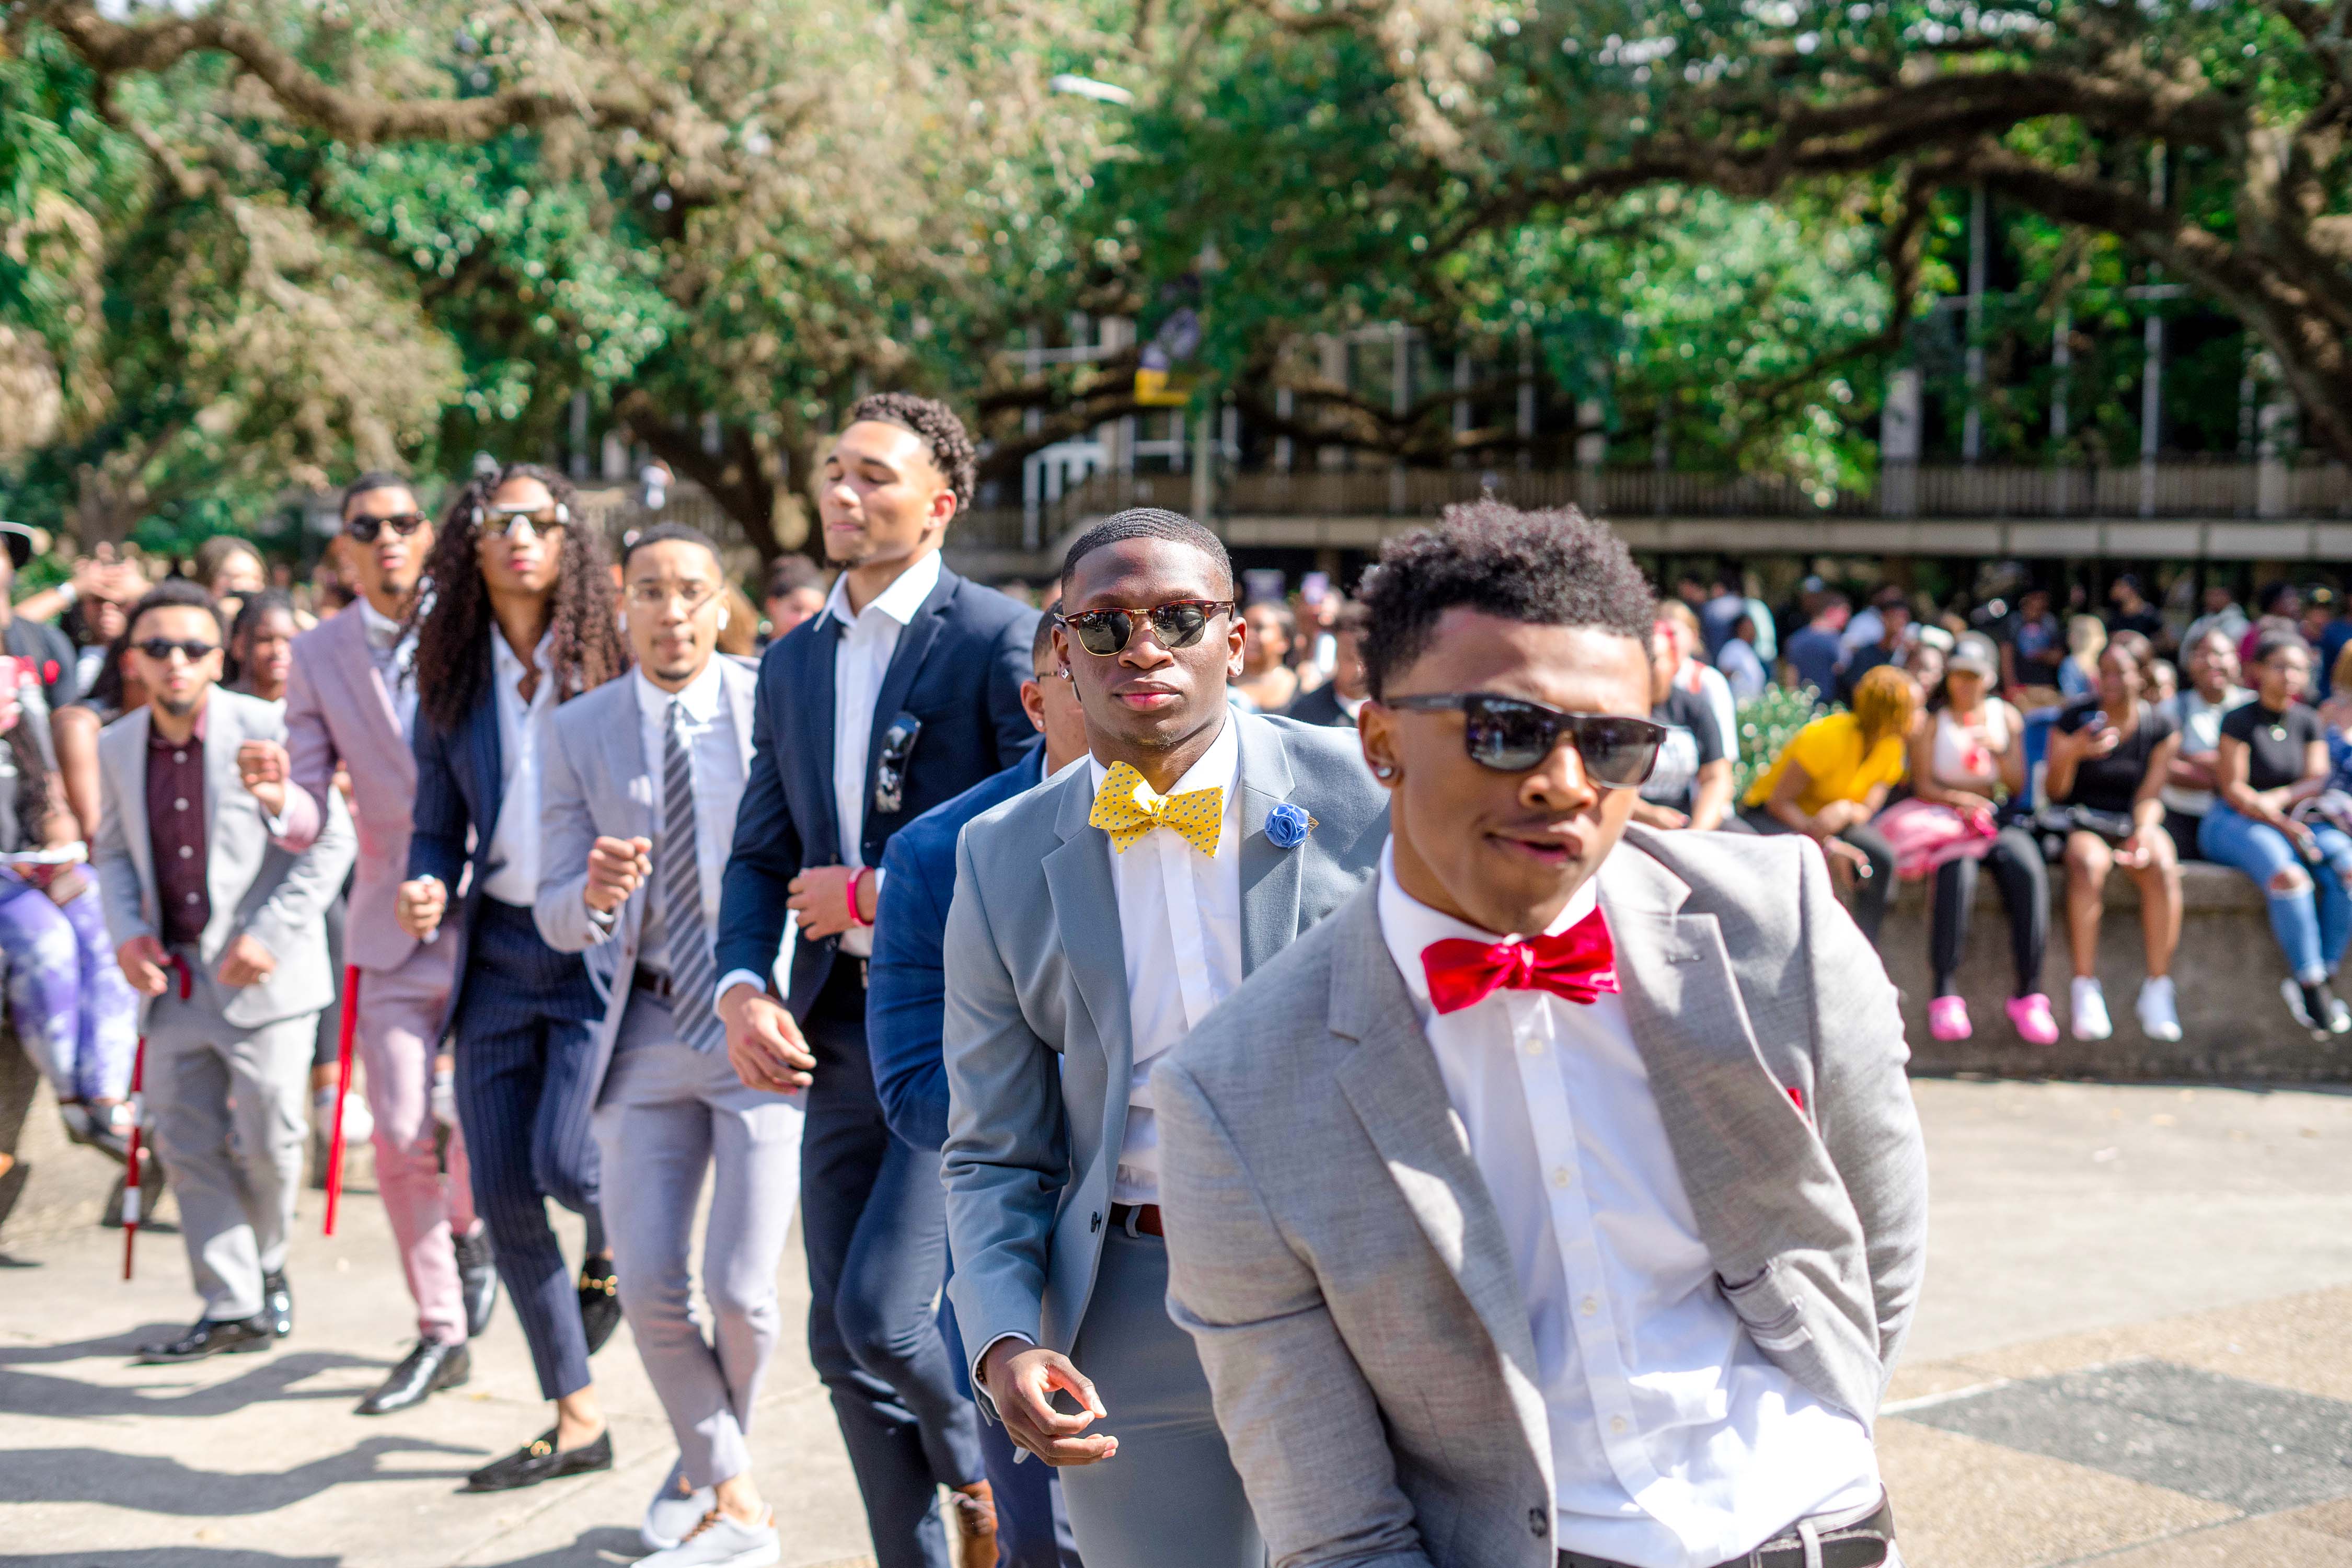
391	648
514	843
716	761
1180	925
1676	1443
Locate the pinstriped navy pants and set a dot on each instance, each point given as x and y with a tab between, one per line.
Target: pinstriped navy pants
523	1032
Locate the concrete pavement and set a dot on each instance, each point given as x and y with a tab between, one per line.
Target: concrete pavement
2131	1349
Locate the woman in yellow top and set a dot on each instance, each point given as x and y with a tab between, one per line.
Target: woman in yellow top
1832	778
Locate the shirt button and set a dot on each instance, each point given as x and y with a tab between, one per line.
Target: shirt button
192	898
1590	1306
1617	1423
1560	1176
179	756
1535	1047
187	850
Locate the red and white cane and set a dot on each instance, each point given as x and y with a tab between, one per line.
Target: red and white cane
343	1091
131	1184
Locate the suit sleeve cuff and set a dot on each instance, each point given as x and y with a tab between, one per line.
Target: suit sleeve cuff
734	977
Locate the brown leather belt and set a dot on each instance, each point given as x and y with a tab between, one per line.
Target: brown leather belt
1864	1543
1138	1219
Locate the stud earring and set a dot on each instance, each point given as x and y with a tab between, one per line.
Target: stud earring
1382	771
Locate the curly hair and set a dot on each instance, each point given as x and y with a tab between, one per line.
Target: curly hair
952	452
452	613
1545	568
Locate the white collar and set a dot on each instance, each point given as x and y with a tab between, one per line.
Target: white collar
508	666
1350	706
899	601
1219	768
1409	926
700	695
381	627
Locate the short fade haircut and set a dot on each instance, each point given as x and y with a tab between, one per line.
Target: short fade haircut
1041	644
665	532
1553	568
176	594
373	479
1149	522
789	574
951	450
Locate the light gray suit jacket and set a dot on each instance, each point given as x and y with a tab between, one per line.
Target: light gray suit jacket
1337	1258
255	886
597	782
1037	1043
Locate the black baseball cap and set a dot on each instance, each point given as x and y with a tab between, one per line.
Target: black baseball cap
20	542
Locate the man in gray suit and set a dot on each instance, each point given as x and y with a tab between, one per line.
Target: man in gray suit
225	934
644	775
1098	918
1561	1199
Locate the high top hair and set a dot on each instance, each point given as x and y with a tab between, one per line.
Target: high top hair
952	452
1556	568
452	614
1149	522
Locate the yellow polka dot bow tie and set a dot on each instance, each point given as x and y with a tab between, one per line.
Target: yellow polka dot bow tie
1126	809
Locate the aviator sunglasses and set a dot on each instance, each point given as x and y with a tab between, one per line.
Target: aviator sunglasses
500	520
1511	735
1176	625
366	529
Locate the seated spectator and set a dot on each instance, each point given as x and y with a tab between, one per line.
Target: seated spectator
2219	612
2163	681
1815	652
2272	759
1894	616
1742	666
1690	785
2332	639
1967	757
2109	755
2130	610
1694	674
2078	672
1267	682
2278	609
2196	712
2030	649
1926	654
1830	781
74	729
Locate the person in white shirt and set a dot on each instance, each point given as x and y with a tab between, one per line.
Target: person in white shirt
1560	1198
522	618
1096	919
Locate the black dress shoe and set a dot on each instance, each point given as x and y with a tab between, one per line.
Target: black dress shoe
540	1460
278	1303
477	1280
427	1369
213	1336
600	1301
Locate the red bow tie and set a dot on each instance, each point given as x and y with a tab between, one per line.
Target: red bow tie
1580	964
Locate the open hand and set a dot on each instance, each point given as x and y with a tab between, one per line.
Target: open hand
1023	1379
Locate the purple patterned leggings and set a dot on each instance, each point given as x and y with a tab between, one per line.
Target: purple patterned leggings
76	1015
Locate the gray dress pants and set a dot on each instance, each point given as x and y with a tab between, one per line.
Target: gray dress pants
667	1115
1171	1498
232	1108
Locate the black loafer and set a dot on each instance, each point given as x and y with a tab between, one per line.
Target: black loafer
600	1301
278	1303
540	1460
213	1336
477	1280
429	1368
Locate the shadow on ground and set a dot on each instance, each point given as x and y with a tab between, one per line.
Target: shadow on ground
157	1484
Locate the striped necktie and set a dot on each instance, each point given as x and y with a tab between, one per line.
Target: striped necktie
677	872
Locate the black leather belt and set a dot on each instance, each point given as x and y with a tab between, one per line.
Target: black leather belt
1864	1543
1138	1219
652	981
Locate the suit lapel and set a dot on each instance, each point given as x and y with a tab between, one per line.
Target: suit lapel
224	876
629	771
1086	911
906	662
357	669
1392	1083
130	756
1270	876
819	651
490	768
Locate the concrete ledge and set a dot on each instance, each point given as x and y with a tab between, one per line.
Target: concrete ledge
2234	1028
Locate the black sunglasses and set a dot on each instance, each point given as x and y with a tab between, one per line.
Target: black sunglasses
1177	623
366	529
160	648
1511	735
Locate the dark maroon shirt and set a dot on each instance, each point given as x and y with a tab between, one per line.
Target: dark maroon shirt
175	831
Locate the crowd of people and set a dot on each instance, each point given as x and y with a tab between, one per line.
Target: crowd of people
2011	740
1263	1061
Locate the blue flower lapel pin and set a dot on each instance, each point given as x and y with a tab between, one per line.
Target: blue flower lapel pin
1287	826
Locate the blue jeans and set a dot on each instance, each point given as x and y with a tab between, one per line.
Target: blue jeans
2314	922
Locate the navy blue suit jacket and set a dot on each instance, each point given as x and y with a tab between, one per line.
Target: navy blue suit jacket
907	983
460	782
958	669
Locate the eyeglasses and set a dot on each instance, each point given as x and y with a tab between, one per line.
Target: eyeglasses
654	597
502	519
366	529
1177	623
161	649
1511	735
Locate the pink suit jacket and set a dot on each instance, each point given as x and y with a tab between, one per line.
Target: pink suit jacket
337	708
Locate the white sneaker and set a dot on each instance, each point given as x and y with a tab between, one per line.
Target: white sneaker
2090	1012
676	1510
719	1541
2159	1018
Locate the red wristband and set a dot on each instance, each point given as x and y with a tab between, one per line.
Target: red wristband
850	895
